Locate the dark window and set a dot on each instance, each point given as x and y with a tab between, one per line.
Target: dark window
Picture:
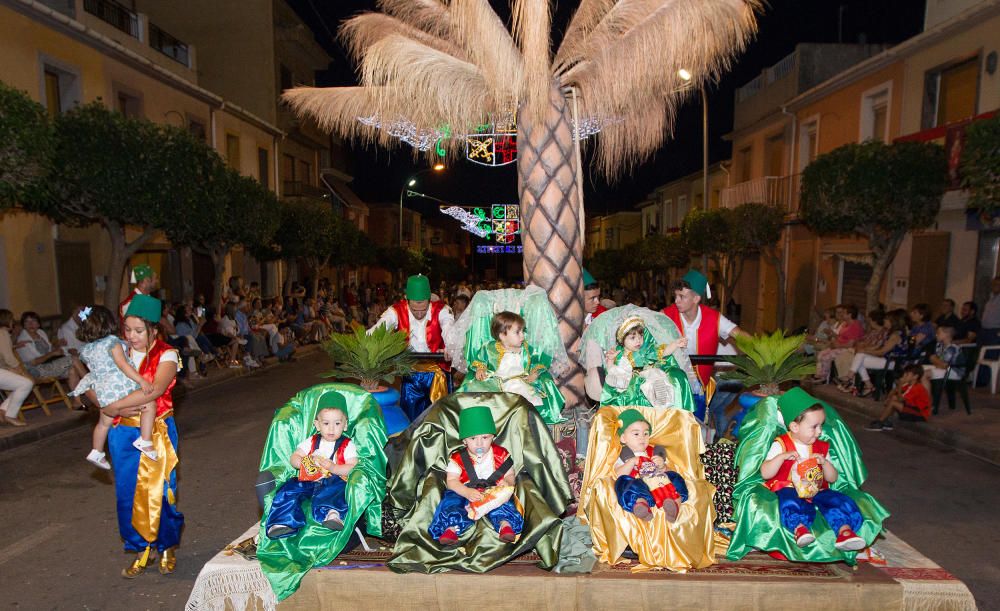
262	167
950	93
286	78
196	129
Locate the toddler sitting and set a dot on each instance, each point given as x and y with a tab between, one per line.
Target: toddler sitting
636	368
480	481
324	461
643	480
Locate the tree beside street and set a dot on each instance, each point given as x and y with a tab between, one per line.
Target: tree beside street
758	227
980	164
309	230
715	234
878	191
26	141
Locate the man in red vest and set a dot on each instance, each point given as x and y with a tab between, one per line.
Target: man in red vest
704	327
425	323
145	281
591	299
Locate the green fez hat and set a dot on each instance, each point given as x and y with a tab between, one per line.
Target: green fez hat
476	420
145	307
588	279
794	402
418	288
332	400
141	272
629	417
698	283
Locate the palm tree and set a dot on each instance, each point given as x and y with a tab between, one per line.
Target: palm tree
432	67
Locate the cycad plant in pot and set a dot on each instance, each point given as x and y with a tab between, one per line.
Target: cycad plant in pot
374	360
768	361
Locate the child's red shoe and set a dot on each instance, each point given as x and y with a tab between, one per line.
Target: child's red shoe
642	511
448	537
507	534
803	537
849	541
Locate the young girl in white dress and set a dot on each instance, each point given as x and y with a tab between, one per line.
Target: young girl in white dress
111	377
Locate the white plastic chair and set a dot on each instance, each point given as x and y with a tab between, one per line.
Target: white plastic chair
992	364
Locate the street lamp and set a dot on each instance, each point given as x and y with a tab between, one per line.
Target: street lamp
438	167
687	76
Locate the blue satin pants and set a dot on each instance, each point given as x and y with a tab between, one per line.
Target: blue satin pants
450	513
630	489
325	494
838	510
415	392
125	461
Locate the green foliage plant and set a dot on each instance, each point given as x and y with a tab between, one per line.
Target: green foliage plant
769	361
875	190
26	142
372	359
980	164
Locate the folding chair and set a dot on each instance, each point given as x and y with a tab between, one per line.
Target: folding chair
56	394
947	385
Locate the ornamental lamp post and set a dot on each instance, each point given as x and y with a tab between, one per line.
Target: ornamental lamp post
437	167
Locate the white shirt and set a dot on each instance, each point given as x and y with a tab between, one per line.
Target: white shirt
67	333
135	357
418	328
991	313
726	327
326	449
777	448
484	468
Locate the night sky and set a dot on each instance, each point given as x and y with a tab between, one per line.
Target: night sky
379	174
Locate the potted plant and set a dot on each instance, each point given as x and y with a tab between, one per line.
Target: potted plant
767	362
375	360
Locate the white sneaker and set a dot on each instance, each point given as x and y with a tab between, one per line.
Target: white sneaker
97	458
147	450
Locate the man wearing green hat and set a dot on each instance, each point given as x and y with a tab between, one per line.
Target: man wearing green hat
703	327
145	281
425	322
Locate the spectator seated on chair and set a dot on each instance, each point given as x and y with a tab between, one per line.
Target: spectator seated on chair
14	380
307	539
419	485
227	344
664	514
762	517
874	356
43	360
948	366
910	401
850	331
967	330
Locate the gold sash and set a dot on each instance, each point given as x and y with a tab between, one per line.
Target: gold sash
439	386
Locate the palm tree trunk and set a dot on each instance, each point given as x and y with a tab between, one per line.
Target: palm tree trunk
550	224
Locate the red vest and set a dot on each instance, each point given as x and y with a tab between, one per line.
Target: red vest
435	342
500	454
642	459
783	479
338	453
708	336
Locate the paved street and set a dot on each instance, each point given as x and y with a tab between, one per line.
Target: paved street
61	549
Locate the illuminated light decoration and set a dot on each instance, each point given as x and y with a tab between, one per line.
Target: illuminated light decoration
470	222
492	149
503	221
487	249
420	139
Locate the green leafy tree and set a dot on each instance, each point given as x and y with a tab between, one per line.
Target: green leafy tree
608	264
875	190
309	230
758	228
26	142
715	234
980	164
113	171
402	260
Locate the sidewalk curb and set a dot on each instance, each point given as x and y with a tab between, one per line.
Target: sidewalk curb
55	427
912	431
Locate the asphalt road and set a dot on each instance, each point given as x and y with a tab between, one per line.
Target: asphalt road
61	549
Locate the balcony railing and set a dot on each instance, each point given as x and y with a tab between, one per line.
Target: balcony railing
114	14
169	45
778	191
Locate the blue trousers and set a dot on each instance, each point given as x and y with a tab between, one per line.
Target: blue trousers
630	489
325	494
415	393
125	460
450	513
725	393
838	510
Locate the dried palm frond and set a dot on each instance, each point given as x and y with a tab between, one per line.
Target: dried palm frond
587	15
364	30
430	16
489	45
532	24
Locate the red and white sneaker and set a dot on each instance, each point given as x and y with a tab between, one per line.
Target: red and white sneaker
802	536
448	537
849	541
507	534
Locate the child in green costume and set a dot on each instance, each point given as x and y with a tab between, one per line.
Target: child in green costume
640	372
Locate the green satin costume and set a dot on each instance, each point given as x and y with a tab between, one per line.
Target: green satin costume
286	561
649	355
758	525
417	486
489	356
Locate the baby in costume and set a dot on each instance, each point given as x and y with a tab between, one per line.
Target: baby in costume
111	378
324	461
505	365
798	471
643	480
637	369
480	482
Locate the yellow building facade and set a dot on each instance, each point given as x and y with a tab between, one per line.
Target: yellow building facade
69	57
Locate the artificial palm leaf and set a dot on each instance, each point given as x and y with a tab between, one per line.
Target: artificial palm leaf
769	361
370	358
